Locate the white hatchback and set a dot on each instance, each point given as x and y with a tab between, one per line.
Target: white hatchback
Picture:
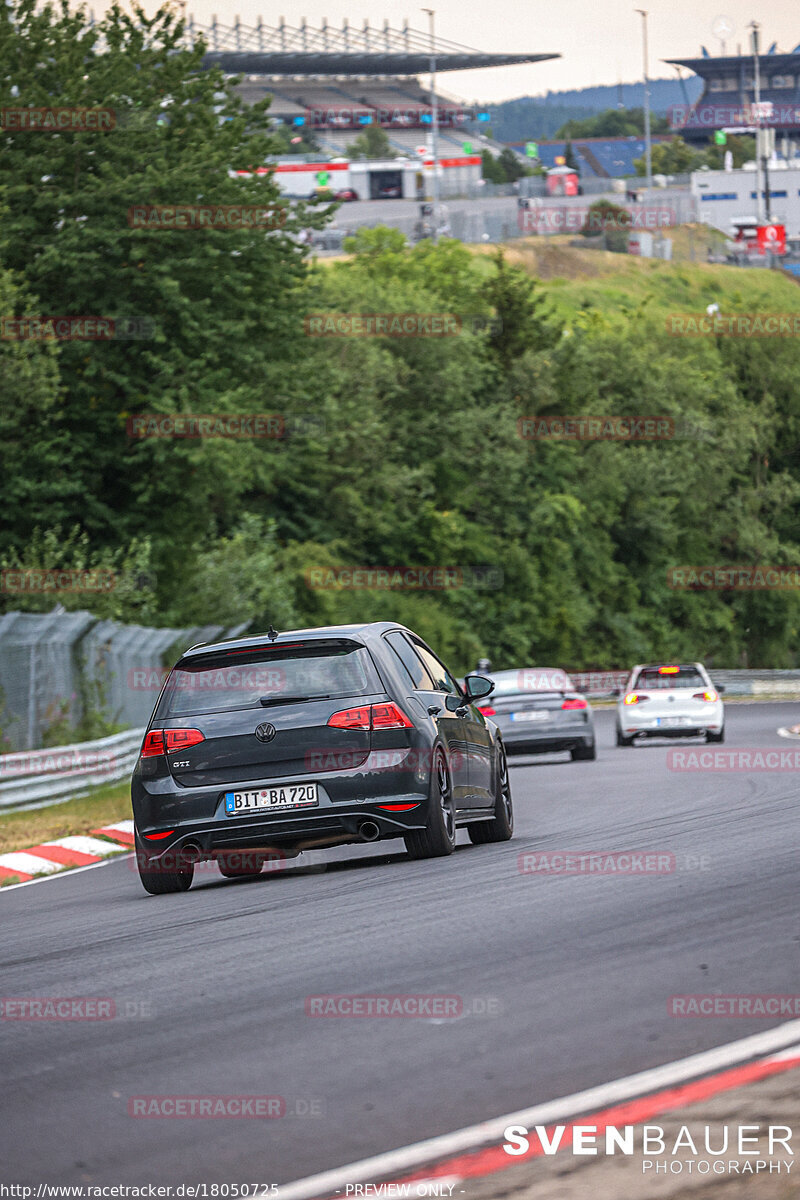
670	700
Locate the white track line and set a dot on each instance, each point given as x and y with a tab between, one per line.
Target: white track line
407	1157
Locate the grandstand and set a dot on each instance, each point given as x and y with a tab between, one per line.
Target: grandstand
597	158
729	92
334	82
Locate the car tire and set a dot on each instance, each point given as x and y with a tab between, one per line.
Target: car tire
584	753
622	740
438	838
238	870
715	737
166	879
501	826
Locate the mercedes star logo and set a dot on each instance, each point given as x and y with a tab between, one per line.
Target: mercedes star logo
265	733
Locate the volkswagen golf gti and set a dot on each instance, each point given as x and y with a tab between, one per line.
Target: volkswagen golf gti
669	700
262	747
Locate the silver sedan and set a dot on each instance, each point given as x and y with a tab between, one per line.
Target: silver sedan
538	710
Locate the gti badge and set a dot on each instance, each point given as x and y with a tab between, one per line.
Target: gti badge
265	733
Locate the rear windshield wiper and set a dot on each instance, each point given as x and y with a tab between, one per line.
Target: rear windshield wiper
267	700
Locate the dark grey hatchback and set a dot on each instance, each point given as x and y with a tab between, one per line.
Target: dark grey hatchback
266	746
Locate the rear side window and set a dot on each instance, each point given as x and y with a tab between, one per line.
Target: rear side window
653	678
442	679
414	667
241	679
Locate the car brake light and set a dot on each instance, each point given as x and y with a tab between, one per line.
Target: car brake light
710	696
635	698
574	702
351	718
371	716
668	670
153	743
389	716
167	741
487	710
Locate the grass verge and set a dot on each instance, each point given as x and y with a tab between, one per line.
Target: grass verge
104	806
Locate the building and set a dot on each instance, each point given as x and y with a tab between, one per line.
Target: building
727	196
407	178
729	95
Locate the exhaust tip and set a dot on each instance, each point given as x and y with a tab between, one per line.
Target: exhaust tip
191	852
368	831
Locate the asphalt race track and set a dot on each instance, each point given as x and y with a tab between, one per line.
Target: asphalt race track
575	973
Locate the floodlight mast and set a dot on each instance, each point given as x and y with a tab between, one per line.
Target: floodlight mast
435	118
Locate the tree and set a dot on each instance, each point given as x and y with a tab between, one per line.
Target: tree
613	221
524	322
673	157
216	306
373	142
569	158
612	123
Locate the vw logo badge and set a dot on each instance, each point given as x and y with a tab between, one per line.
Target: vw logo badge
265	733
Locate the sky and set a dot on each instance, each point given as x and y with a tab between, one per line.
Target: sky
600	40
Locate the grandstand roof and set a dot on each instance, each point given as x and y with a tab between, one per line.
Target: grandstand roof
725	64
286	50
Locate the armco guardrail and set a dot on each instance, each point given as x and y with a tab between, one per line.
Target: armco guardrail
36	778
735	682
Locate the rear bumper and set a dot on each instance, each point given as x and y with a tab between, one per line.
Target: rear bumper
635	725
546	743
197	817
296	832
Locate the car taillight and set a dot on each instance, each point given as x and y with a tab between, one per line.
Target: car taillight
352	718
153	743
574	702
668	670
487	710
709	696
635	698
167	741
370	716
389	716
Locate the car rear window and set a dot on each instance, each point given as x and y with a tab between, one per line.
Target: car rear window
653	678
240	679
532	679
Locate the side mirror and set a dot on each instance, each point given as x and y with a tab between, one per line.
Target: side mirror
477	686
720	688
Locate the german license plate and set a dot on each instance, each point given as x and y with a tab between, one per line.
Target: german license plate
301	795
672	722
532	714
